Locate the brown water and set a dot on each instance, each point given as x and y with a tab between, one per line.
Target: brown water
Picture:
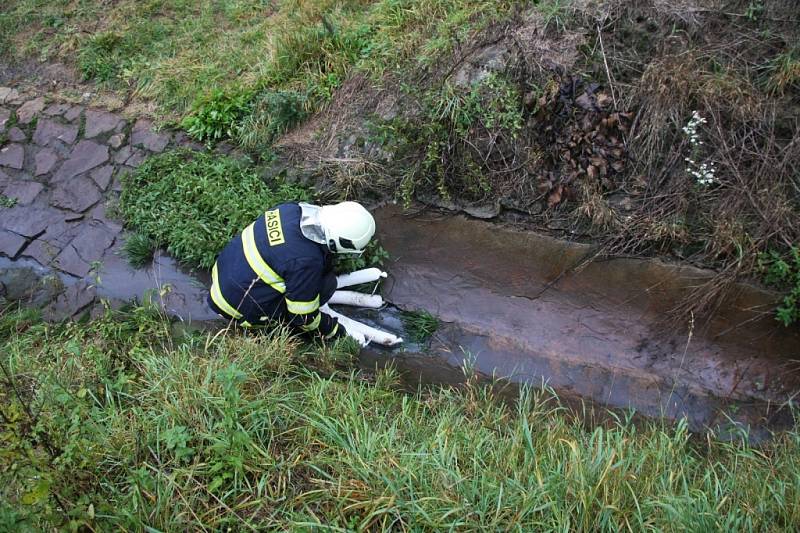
514	311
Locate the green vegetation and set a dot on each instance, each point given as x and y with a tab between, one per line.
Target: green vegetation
139	249
6	201
420	325
456	120
784	272
216	116
193	203
374	255
118	425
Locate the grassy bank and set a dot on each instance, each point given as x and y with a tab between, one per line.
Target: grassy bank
121	424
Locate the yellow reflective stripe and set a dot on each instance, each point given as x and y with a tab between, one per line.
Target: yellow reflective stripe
314	324
333	331
218	299
257	263
302	308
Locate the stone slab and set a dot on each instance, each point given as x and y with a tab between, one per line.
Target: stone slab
136	158
28	221
99	122
48	130
28	111
23	190
8	95
17	135
74	113
70	262
72	302
76	194
12	156
11	243
102	176
144	137
93	240
45	160
85	156
56	110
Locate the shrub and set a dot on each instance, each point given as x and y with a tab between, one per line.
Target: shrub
784	272
194	202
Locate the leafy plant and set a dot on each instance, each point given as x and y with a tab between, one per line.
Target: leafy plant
783	271
374	255
139	249
195	202
217	116
420	325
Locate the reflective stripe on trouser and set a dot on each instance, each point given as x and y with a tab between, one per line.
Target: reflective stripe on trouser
257	263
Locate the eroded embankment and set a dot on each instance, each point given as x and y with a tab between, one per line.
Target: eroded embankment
516	309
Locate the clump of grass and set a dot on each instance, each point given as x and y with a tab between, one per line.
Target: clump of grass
115	425
195	202
420	325
139	249
374	255
7	201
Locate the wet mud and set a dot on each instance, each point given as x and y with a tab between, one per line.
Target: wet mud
514	309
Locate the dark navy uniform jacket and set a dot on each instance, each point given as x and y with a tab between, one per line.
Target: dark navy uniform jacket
272	271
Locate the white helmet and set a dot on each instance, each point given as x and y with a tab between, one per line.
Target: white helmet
348	227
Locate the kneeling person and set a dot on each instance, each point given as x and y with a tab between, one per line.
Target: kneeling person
281	266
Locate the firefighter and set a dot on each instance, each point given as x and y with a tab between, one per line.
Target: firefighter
280	268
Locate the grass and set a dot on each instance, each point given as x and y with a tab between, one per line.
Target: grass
119	425
194	203
420	325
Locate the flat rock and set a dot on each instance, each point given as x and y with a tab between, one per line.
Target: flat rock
143	136
11	243
85	156
5	114
17	135
70	303
8	95
12	156
24	191
137	158
28	111
99	214
76	194
123	155
45	160
28	221
73	113
70	262
93	240
115	141
99	122
48	130
5	179
56	110
102	176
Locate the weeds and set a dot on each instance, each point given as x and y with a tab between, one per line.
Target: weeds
374	255
217	116
194	203
784	272
148	432
420	325
139	249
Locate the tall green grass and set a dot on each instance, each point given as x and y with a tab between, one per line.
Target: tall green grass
121	425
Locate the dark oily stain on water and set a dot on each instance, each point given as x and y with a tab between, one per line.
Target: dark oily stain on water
515	311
